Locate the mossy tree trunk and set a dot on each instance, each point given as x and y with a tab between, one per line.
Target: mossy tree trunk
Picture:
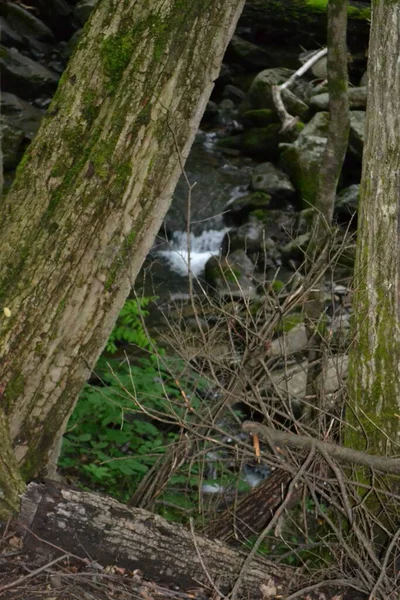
88	199
374	375
328	178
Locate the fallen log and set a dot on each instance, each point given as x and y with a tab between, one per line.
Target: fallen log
97	527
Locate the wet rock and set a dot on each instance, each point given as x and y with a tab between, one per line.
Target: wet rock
23	76
252	237
12	139
25	23
260	93
237	211
20	114
357	99
302	159
231	274
356	136
8	36
271	180
83	10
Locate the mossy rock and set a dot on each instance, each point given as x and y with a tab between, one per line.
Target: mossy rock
262	142
260	117
260	93
232	142
240	208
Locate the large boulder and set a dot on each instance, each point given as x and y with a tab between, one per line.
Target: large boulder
357	99
83	10
11	140
23	76
25	22
260	93
356	136
262	142
271	180
302	159
231	275
20	114
237	211
248	54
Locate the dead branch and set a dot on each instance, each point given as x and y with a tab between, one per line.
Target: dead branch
294	441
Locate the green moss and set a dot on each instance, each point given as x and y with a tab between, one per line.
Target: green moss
260	117
116	51
263	141
14	389
91	109
277	286
289	322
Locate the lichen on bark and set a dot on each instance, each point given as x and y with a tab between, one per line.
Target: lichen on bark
90	196
374	373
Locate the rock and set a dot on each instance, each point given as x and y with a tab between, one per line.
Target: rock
231	92
364	79
262	141
83	10
230	142
260	93
293	380
357	99
58	15
260	117
291	342
249	54
347	202
271	180
232	274
12	139
8	36
260	233
237	211
20	114
295	249
71	44
302	159
250	237
356	136
23	76
25	23
211	111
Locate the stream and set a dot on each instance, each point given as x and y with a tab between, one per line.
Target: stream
218	180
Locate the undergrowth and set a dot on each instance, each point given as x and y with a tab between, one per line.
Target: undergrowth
111	442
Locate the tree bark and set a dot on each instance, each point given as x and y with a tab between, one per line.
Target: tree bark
89	525
328	178
89	197
374	376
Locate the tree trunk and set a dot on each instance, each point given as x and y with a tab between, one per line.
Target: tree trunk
328	177
374	377
89	525
89	197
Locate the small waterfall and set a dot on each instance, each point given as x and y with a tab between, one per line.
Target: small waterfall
202	246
